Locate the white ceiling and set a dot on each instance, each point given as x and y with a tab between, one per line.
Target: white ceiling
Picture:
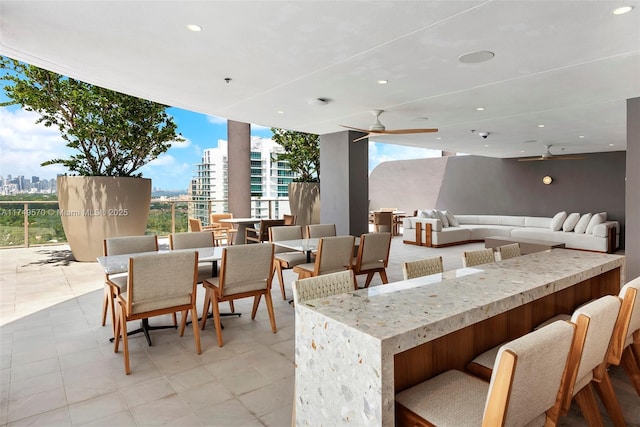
569	65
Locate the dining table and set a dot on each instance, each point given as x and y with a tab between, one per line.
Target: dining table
242	225
119	264
308	246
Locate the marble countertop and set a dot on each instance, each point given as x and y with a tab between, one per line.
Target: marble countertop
402	314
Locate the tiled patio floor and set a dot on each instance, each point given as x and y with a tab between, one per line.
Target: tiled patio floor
57	367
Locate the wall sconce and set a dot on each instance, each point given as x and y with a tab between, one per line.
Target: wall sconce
547	180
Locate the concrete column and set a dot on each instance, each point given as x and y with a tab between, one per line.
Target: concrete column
344	182
239	168
632	196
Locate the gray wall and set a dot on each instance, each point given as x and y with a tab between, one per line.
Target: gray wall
633	189
482	185
343	182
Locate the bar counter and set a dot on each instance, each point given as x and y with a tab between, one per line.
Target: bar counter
355	351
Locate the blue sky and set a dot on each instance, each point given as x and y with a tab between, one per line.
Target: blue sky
24	145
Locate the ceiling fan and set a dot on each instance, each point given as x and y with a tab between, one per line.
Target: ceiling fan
378	128
547	155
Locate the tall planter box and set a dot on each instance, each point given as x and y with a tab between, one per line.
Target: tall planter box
93	208
304	201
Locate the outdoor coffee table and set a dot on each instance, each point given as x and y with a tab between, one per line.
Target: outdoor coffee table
527	246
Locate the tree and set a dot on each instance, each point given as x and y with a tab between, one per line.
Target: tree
114	134
302	151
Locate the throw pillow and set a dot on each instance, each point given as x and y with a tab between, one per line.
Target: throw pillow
598	218
443	217
558	220
571	221
453	221
423	214
581	226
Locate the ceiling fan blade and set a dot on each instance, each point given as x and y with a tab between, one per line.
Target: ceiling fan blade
403	131
361	138
530	159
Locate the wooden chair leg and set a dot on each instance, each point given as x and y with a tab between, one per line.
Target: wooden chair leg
216	317
183	321
604	388
205	308
368	279
116	335
122	330
231	307
272	316
175	319
586	400
355	281
256	303
196	330
105	304
383	276
281	280
630	366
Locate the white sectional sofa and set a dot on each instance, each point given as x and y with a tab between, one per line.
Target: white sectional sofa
434	232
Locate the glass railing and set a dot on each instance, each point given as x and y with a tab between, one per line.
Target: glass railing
35	223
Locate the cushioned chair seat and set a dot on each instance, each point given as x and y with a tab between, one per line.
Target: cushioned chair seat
450	399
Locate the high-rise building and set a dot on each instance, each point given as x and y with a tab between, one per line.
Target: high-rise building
270	180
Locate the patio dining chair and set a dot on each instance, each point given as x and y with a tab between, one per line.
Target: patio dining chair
261	234
422	267
334	254
284	258
246	271
373	257
481	256
115	283
320	230
224	228
158	284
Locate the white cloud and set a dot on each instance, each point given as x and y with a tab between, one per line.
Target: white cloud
25	144
216	120
186	142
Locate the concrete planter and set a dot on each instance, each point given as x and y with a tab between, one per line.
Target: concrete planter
304	201
93	208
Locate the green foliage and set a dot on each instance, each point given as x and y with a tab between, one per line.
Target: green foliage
302	151
113	134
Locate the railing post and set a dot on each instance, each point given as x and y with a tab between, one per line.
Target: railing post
270	209
26	225
173	217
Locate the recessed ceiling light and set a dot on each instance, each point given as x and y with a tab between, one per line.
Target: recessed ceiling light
480	108
522	151
439	137
194	27
475	57
280	112
622	10
581	136
540	126
486	145
383	82
611	145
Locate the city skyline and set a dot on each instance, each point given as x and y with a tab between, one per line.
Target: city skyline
24	145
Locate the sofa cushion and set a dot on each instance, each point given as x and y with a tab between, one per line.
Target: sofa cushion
443	218
581	226
571	221
596	219
558	220
453	222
